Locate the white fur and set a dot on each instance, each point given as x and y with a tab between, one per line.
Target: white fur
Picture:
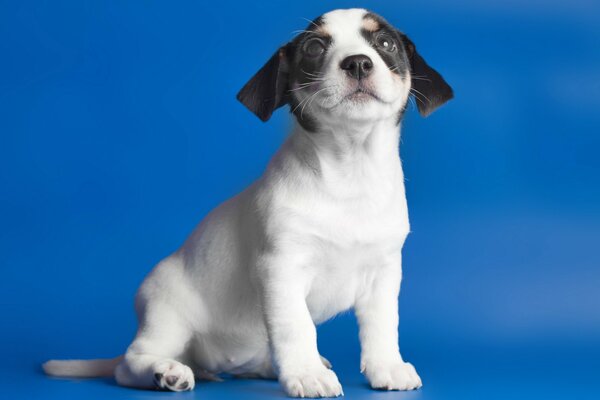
319	233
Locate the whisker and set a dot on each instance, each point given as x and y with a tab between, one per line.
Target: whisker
304	102
310	22
316	79
420	94
311	98
302	31
310	83
304	86
417	97
412	102
420	78
318	74
299	104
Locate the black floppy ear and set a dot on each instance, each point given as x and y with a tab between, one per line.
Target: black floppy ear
266	90
429	88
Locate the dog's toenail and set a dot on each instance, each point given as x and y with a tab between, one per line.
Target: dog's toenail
158	376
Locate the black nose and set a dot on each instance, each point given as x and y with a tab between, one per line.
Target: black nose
358	66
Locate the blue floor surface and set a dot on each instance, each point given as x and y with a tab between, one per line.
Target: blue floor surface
485	337
459	372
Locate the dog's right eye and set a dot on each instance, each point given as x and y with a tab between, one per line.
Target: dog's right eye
314	48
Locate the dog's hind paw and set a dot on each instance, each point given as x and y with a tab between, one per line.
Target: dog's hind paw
173	375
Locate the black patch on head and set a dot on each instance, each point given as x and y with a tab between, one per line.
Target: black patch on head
306	71
396	61
270	88
428	87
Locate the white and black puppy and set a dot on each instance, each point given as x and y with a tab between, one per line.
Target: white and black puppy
319	233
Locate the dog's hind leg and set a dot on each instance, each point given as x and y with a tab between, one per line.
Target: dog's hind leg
151	361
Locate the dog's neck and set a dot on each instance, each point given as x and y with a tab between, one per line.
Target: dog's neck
349	143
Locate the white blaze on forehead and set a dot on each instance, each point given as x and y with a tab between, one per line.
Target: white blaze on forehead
345	26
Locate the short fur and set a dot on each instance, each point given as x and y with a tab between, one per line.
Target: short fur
319	233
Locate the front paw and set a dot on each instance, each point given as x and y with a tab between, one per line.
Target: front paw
398	375
320	382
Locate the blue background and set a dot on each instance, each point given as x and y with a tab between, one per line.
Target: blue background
119	131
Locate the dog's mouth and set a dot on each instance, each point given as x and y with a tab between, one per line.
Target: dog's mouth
361	95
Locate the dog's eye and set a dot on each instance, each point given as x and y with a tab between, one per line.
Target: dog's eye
386	43
314	48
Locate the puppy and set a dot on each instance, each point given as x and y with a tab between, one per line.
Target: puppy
319	233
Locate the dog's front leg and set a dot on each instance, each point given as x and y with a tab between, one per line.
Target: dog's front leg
377	313
292	332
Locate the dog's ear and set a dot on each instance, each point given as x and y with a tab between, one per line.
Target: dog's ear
429	88
266	90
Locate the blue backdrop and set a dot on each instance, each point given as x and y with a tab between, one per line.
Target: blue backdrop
119	131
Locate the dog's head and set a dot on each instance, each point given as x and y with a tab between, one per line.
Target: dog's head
349	65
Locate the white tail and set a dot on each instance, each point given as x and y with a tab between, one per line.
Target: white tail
82	368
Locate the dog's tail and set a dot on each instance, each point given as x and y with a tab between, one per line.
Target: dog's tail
82	368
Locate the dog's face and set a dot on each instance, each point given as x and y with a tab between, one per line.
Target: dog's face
347	65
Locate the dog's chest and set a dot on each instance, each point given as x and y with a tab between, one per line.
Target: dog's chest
349	242
358	214
338	276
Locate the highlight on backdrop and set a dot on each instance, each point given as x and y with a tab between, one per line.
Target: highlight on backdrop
300	199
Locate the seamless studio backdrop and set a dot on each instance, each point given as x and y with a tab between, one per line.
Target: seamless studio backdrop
119	131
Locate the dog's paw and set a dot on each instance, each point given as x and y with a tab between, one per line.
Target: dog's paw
321	382
397	375
173	375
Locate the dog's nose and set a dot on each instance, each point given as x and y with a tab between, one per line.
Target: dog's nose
358	66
